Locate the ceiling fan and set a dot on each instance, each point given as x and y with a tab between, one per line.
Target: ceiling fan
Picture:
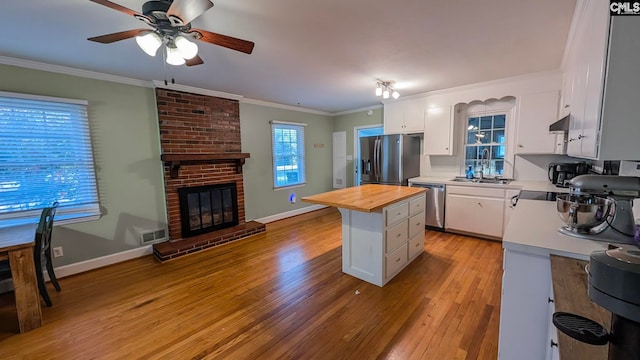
171	23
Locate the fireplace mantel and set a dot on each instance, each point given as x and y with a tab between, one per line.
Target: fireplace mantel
176	160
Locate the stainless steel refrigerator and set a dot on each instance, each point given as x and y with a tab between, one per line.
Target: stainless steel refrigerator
389	159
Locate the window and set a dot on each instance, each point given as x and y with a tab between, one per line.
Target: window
45	156
485	143
287	142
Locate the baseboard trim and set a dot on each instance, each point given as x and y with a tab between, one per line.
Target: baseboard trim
76	268
288	214
91	264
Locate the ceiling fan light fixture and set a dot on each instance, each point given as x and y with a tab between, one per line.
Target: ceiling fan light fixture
378	90
395	94
385	94
174	57
150	42
188	50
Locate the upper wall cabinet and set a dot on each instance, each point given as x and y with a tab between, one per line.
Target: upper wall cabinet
535	113
602	85
438	131
403	117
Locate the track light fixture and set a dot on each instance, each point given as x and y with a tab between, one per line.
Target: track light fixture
384	89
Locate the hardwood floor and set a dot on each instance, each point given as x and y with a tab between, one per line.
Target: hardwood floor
278	295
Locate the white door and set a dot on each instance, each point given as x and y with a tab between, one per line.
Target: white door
339	159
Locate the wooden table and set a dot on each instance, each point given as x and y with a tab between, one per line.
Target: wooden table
16	244
570	295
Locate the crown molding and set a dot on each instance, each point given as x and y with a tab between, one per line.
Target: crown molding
29	64
197	90
59	69
285	107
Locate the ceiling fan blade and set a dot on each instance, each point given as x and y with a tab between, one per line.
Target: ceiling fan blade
120	8
224	40
109	38
196	60
187	10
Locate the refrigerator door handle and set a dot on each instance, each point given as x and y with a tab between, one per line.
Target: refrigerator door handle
376	160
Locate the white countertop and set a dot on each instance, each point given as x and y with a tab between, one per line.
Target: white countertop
516	184
533	228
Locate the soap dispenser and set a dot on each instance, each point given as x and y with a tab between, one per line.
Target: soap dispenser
470	173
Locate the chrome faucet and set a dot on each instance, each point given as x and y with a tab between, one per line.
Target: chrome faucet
482	158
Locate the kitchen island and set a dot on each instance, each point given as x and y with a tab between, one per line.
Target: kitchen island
382	228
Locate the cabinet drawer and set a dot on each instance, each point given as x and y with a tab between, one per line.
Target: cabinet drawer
416	224
395	261
416	246
395	237
416	205
396	213
475	191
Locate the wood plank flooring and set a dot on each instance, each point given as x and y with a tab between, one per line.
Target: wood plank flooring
277	295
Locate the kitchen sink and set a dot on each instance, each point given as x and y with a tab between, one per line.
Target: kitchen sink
499	181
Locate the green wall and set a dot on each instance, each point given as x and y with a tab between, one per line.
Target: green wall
124	131
347	123
260	198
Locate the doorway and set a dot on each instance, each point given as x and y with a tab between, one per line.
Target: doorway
358	132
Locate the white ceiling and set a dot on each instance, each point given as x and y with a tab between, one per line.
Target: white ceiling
324	55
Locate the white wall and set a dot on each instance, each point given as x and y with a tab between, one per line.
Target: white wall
533	167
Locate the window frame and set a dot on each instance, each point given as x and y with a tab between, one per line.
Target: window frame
301	154
89	207
507	106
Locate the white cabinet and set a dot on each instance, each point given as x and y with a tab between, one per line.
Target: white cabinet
553	353
475	210
602	85
535	113
438	131
587	70
376	246
404	117
524	306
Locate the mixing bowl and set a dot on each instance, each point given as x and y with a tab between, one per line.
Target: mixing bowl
583	213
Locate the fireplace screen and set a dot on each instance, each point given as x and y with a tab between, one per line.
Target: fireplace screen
208	208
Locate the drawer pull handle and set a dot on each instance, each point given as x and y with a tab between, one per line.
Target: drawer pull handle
480	204
550	300
553	343
417	244
398	260
398	235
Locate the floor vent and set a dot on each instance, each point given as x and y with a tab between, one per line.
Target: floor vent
152	236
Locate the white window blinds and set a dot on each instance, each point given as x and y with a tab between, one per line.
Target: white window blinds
287	142
45	156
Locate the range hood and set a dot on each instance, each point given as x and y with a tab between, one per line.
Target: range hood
560	125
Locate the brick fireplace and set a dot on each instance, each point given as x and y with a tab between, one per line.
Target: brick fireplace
200	144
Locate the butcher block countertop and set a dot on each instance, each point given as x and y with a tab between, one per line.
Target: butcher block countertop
570	295
366	198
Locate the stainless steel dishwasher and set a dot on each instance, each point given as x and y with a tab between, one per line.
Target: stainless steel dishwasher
434	214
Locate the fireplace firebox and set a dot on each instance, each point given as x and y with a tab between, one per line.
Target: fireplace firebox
207	208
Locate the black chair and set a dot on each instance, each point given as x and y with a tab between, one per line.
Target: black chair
41	254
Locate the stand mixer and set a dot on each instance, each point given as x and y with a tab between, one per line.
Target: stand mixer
599	207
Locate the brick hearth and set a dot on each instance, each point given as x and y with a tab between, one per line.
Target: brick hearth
198	124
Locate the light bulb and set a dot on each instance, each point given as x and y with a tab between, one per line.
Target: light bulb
173	56
149	42
378	90
385	94
188	49
395	94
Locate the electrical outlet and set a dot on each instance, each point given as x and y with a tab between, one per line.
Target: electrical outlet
57	252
